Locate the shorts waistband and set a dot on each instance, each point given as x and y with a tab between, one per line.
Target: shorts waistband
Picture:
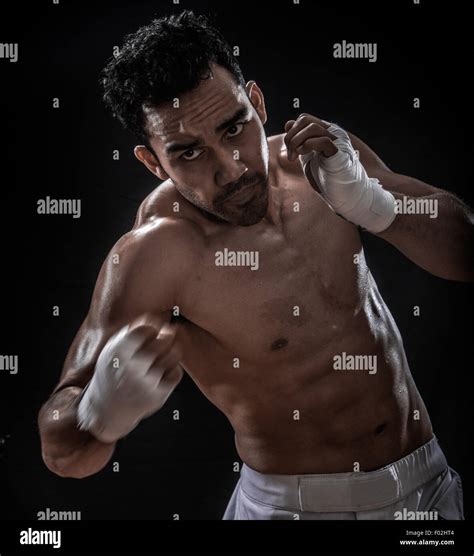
353	491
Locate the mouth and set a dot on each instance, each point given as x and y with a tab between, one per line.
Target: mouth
243	196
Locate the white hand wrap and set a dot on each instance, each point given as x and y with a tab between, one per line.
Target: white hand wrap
344	184
125	388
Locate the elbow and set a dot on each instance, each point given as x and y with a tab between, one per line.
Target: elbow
62	469
77	464
53	466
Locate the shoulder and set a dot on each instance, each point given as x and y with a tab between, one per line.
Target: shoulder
161	238
165	222
163	242
277	147
278	155
146	270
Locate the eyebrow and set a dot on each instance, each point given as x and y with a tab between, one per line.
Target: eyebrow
177	147
241	113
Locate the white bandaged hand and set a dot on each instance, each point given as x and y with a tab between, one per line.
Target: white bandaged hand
344	184
134	375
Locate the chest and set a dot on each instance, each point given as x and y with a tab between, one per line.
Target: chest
271	291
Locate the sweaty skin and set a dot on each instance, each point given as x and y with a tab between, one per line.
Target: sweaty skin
286	362
309	300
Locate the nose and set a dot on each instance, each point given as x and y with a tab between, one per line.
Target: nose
229	168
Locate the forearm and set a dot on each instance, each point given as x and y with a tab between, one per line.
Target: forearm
364	191
443	244
66	450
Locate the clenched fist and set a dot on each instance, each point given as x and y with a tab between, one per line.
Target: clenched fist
134	375
332	167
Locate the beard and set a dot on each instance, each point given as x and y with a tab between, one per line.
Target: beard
248	211
226	209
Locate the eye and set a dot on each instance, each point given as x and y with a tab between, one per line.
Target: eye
235	129
192	154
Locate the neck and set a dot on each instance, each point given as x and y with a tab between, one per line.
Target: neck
273	214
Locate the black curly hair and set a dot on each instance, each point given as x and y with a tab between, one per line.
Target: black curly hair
160	61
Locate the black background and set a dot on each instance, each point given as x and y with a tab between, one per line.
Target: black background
185	466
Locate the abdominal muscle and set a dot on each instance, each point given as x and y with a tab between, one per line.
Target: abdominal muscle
308	417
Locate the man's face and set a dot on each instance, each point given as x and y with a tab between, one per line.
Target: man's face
214	149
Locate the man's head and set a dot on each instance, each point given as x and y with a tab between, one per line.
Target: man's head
177	86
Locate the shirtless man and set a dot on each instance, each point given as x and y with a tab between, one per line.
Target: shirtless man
245	269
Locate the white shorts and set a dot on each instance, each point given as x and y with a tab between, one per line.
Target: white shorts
419	486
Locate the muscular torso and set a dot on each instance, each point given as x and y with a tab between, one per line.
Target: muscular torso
260	344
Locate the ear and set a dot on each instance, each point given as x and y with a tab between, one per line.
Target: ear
256	98
147	158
